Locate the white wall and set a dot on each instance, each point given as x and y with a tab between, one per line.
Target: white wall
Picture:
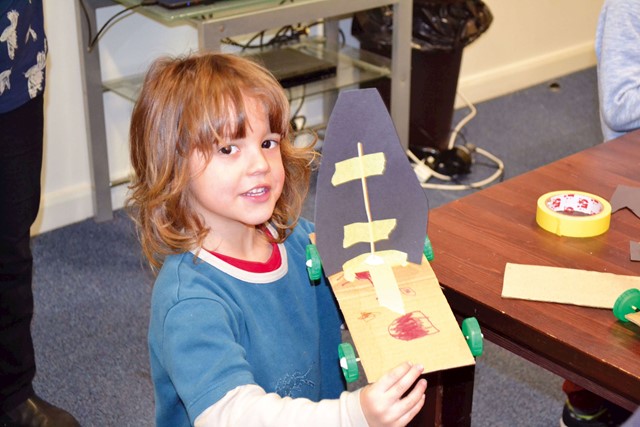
529	42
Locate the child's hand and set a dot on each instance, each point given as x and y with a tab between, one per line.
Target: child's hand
382	402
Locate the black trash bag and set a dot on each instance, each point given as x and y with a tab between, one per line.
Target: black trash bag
441	29
373	28
451	26
437	25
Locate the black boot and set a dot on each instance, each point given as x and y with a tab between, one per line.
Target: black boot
35	412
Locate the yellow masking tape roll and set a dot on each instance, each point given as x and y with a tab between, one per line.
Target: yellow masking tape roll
573	213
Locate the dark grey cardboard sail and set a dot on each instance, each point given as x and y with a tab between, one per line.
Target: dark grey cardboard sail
360	116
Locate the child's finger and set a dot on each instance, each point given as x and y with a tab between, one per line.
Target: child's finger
414	397
412	411
406	381
391	378
403	410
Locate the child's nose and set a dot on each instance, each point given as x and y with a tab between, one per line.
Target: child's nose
258	162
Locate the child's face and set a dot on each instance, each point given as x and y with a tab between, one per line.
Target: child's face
243	180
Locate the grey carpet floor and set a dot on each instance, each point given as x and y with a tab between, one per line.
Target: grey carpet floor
92	289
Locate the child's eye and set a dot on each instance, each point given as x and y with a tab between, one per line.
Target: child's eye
270	143
228	149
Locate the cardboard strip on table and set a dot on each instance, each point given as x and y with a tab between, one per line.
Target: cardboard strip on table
565	285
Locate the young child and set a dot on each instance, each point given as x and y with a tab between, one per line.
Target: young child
238	334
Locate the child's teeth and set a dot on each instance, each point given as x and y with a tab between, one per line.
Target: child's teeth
256	191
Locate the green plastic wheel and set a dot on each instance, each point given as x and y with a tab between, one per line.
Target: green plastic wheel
628	302
428	249
314	265
348	362
473	335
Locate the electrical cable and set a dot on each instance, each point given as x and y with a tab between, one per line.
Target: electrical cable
462	123
94	40
457	187
296	115
246	45
424	171
285	34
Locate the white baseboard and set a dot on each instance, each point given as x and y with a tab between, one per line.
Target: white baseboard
73	204
517	76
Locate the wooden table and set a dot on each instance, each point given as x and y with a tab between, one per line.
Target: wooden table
474	237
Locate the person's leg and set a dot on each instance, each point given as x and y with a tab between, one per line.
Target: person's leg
582	401
21	133
20	164
586	409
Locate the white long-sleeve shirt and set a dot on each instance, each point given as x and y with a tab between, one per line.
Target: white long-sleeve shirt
249	405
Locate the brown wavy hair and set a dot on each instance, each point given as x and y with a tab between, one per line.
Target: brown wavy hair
195	103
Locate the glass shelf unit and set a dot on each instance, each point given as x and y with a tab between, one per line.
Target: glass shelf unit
231	18
219	9
354	66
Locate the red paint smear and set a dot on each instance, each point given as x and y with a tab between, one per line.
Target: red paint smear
408	291
364	275
366	315
412	326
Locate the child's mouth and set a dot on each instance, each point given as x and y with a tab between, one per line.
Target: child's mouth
256	192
